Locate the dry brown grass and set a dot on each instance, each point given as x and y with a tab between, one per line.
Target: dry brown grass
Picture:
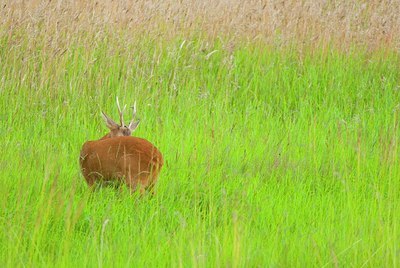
372	24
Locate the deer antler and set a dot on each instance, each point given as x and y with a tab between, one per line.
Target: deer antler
133	125
121	116
133	110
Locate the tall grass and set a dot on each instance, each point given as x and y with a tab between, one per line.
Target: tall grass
372	24
275	156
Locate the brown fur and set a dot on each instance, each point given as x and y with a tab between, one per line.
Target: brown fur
132	160
119	157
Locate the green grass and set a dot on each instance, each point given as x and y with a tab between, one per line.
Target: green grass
274	157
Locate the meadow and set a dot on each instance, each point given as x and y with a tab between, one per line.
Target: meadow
278	153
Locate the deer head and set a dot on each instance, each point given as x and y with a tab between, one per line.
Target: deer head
121	129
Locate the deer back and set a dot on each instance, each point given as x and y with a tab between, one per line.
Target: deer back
118	157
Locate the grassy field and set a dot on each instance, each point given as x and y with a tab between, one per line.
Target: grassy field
276	156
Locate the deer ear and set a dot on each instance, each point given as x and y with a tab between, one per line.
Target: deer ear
133	125
109	122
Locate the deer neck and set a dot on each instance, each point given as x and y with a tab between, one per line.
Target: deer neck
106	137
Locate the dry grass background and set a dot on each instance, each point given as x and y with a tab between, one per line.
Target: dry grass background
372	24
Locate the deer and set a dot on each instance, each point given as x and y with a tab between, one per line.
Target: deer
120	157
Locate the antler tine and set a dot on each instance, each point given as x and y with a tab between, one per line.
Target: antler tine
121	116
134	111
133	124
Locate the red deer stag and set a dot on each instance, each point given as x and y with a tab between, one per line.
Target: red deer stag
119	157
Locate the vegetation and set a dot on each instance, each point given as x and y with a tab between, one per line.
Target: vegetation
277	154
